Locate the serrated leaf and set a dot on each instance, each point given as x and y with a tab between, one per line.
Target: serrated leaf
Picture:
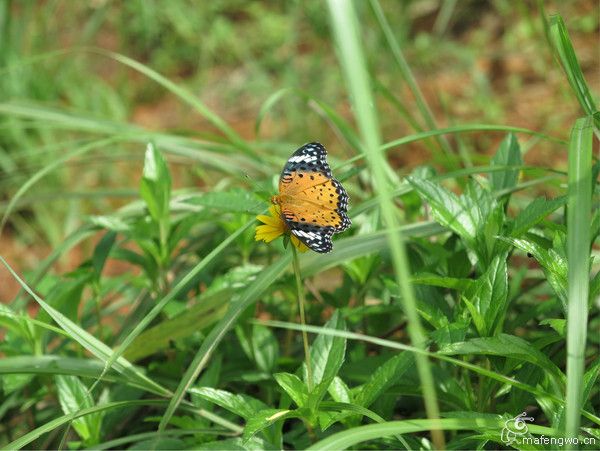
326	357
383	378
73	397
507	346
441	281
489	295
589	380
242	405
265	348
508	154
533	213
155	187
450	333
294	387
447	208
553	264
559	325
339	391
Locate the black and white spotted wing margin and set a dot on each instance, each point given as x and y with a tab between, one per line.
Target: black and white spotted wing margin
309	157
342	206
316	238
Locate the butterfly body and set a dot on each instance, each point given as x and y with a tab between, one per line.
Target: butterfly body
313	204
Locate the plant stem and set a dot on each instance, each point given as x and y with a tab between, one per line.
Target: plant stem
300	290
578	255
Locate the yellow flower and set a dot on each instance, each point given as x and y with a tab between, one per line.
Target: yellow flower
273	227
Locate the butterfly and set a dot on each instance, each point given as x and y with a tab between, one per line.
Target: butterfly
313	204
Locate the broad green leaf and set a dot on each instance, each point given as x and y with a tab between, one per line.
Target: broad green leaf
155	187
447	208
265	348
533	213
73	397
594	287
451	333
102	250
508	154
294	387
559	325
489	296
383	378
507	346
265	418
589	380
326	358
343	409
239	404
339	391
441	281
553	263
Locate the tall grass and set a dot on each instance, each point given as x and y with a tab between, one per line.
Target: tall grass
345	27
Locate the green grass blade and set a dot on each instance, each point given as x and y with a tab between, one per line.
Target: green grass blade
467	128
57	422
351	437
579	217
46	170
139	328
408	76
346	439
346	32
180	92
143	436
89	342
563	49
53	364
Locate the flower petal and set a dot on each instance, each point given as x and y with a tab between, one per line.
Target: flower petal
299	244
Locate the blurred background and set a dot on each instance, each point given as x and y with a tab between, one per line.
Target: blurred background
268	69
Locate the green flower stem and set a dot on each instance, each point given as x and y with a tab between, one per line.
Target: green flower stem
300	290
